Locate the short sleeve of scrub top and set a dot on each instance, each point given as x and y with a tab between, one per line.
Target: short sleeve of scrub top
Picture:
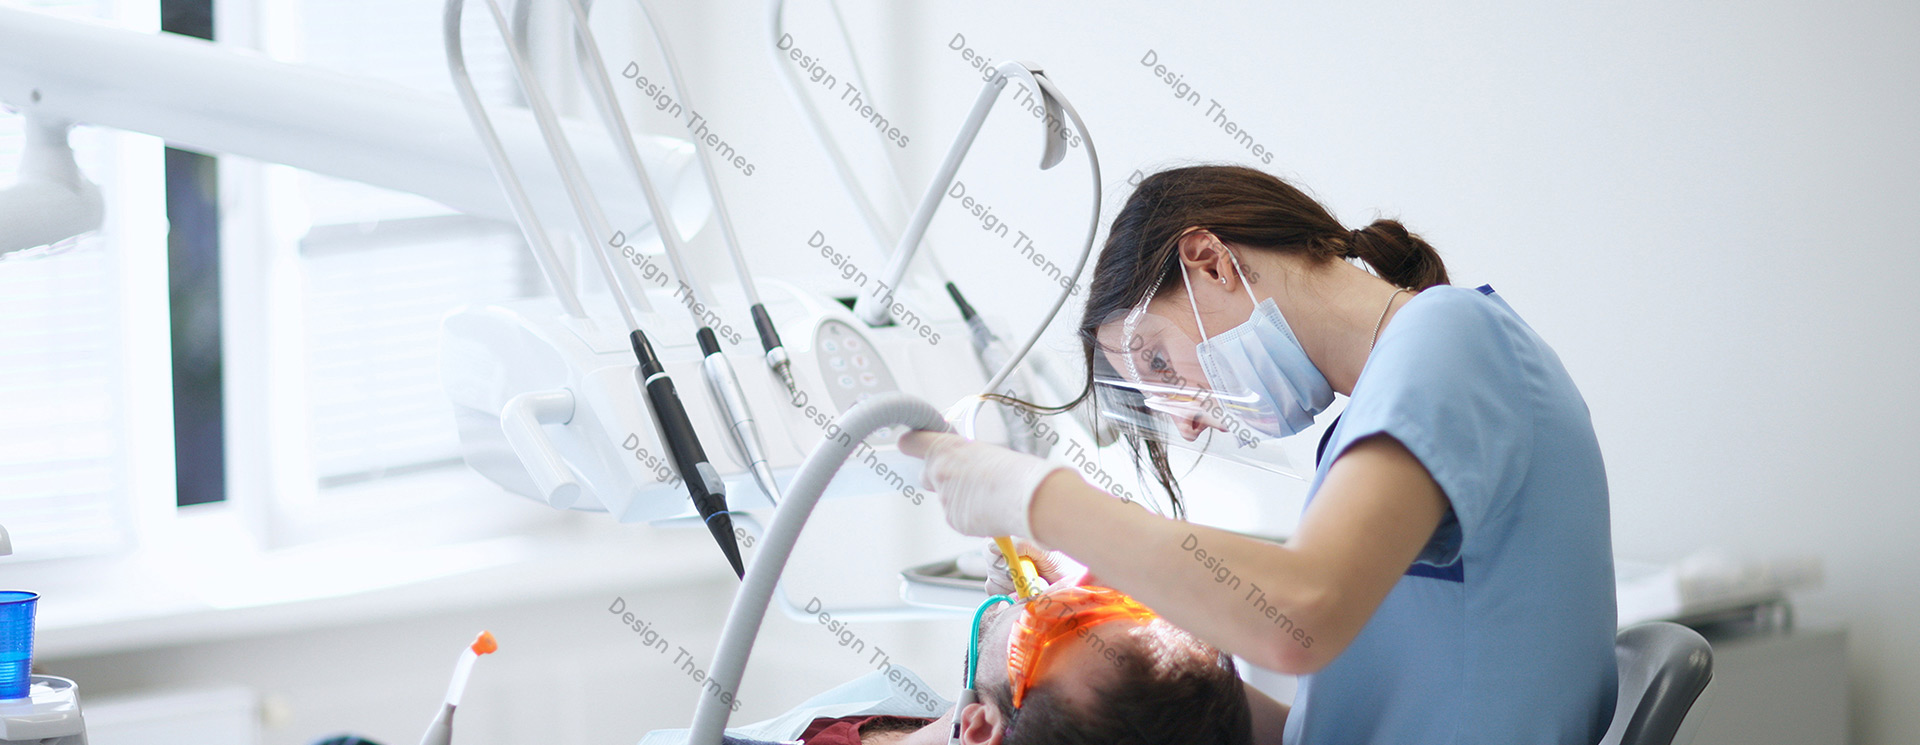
1502	629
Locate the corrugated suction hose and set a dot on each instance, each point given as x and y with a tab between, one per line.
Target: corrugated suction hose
756	591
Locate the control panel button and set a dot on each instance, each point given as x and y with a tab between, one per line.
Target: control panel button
850	367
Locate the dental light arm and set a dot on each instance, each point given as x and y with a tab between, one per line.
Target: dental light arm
210	98
51	201
756	592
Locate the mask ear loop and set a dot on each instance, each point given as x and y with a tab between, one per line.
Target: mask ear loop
1139	309
1133	321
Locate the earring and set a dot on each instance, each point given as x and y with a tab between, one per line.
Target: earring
1223	280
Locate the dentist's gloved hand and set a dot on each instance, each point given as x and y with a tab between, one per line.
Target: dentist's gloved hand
986	489
1050	565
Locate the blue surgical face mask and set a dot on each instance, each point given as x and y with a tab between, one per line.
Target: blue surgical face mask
1259	368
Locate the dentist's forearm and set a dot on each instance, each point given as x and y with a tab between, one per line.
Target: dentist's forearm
1246	597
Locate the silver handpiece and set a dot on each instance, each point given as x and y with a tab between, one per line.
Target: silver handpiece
744	434
728	397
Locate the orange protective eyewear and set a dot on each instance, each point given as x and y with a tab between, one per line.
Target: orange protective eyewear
1056	615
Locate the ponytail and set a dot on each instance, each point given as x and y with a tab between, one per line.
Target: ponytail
1396	255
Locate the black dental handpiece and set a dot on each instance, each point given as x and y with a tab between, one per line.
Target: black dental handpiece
704	486
776	351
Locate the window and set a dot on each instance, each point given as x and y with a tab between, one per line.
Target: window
331	295
373	300
81	431
346	285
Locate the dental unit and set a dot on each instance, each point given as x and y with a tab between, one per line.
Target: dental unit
724	386
703	483
545	388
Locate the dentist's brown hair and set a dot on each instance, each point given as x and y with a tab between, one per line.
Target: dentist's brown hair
1246	209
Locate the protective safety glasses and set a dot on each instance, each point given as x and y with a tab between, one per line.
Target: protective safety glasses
1055	616
1149	383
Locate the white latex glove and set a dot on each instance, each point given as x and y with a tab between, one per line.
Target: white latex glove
986	490
1050	565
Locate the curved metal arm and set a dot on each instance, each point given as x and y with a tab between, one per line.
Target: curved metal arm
1051	157
728	397
869	216
579	192
874	310
587	55
528	219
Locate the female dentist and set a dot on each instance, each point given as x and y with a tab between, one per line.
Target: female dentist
1451	578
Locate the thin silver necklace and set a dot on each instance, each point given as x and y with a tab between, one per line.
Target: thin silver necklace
1383	317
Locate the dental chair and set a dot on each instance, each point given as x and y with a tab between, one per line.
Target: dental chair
1663	668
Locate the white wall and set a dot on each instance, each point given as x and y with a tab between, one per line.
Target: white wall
1704	208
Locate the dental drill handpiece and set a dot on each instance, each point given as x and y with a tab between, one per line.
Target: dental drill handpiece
708	492
777	359
683	444
742	433
992	353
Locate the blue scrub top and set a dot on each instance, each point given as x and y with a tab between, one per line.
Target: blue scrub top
1502	630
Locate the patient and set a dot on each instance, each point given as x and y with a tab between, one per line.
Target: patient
1107	679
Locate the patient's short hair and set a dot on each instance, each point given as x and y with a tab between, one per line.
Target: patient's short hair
1167	686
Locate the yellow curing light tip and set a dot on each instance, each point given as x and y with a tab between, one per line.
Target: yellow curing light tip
1026	581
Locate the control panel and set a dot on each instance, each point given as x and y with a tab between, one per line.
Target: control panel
852	370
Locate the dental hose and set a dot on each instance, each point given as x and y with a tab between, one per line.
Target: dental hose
972	665
803	492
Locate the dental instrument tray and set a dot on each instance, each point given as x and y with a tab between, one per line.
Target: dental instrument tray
941	584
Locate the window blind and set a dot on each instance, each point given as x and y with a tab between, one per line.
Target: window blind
62	444
380	268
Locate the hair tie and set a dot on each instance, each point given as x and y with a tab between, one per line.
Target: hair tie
1353	240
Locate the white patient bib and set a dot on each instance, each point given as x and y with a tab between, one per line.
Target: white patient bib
871	694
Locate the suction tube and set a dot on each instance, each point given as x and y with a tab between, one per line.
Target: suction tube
756	591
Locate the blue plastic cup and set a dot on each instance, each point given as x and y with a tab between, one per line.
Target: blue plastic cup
16	641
